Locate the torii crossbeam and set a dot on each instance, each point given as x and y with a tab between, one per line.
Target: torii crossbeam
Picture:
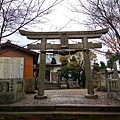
64	36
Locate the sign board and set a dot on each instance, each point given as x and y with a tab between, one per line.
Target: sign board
11	67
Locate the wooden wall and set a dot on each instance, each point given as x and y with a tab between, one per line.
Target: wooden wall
28	60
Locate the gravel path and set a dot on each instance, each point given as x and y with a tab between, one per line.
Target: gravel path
66	96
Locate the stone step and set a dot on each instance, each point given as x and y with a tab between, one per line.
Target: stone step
51	86
62	107
60	112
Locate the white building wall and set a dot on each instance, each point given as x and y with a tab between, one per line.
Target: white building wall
53	74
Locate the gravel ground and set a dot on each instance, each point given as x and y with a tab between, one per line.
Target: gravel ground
66	96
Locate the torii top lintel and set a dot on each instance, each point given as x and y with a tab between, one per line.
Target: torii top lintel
69	34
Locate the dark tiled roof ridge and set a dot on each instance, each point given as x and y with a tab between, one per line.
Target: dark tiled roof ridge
8	43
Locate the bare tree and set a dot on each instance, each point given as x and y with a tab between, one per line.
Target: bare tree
16	14
102	14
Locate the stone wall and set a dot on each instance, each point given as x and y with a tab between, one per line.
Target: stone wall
11	90
113	88
113	95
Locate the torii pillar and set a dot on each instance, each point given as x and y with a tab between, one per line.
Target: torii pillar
64	36
88	72
41	75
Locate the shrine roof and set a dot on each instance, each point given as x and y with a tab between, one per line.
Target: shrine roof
49	57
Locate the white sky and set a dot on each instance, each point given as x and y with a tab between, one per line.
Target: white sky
59	21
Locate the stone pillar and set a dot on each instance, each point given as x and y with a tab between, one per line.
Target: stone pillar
119	85
88	72
108	84
115	71
41	76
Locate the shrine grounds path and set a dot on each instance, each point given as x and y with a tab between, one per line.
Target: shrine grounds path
66	97
62	104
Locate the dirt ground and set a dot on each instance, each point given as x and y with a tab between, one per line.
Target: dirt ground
66	96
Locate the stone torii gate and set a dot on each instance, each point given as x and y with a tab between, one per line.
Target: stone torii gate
64	36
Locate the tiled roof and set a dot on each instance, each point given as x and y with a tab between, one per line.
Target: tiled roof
49	59
13	47
8	43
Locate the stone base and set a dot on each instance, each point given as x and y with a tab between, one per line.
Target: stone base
73	84
91	96
30	92
7	98
63	86
114	95
40	97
